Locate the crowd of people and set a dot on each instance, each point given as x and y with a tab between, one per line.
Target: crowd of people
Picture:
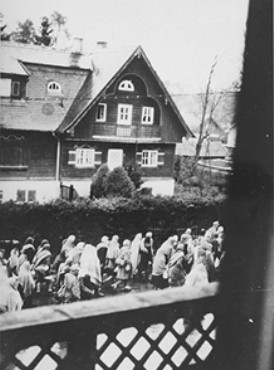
83	271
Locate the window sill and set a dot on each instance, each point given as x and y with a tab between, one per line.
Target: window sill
14	168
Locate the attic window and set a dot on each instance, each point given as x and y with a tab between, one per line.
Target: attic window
126	85
54	88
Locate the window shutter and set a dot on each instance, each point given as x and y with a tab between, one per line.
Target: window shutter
97	158
139	156
161	160
72	157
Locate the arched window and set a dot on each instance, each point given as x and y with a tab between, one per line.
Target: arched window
54	88
126	85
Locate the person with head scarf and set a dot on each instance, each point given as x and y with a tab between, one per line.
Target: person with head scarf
198	274
90	278
29	240
112	254
146	255
124	270
68	245
135	253
102	249
44	245
42	270
13	262
29	251
70	290
26	281
177	267
160	263
212	232
75	254
10	299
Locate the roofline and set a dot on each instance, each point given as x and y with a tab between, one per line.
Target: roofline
97	97
55	65
174	106
137	52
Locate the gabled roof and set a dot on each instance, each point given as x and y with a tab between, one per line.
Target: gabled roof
107	66
43	55
38	112
10	65
31	115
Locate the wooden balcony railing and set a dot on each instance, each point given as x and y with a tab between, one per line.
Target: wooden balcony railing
169	329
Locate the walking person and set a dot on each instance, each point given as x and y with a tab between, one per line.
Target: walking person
159	268
124	269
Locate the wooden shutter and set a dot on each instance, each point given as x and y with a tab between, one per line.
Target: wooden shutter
72	157
139	156
97	158
161	161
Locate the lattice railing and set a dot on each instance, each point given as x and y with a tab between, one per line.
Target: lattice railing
170	329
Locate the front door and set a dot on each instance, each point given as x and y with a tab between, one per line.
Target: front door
115	158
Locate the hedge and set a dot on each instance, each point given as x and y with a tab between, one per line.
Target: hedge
90	220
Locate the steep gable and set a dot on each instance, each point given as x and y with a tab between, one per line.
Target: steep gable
108	66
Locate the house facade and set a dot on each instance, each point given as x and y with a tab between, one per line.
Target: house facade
63	114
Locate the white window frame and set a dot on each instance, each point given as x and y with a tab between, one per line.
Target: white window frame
13	92
150	158
104	109
124	114
84	157
126	85
54	88
147	115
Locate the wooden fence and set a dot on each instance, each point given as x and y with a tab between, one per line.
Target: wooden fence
170	329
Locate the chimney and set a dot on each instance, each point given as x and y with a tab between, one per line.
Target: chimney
77	46
76	51
102	44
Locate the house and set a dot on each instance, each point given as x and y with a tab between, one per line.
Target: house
64	113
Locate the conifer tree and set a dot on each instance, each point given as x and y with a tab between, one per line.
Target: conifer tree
98	186
118	183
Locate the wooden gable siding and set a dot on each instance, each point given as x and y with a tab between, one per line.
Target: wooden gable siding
89	126
38	157
69	171
166	123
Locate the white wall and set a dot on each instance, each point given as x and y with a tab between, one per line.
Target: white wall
160	186
45	190
50	190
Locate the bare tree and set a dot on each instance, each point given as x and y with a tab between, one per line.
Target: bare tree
206	106
59	22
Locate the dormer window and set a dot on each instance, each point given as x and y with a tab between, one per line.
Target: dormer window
126	85
54	88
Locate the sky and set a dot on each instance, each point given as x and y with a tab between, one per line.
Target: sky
181	38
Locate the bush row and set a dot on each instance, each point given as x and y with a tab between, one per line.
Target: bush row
107	216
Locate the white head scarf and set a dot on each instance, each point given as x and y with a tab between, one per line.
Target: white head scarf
90	265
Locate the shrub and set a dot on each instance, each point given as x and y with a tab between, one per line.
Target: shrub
135	174
98	186
90	219
118	183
